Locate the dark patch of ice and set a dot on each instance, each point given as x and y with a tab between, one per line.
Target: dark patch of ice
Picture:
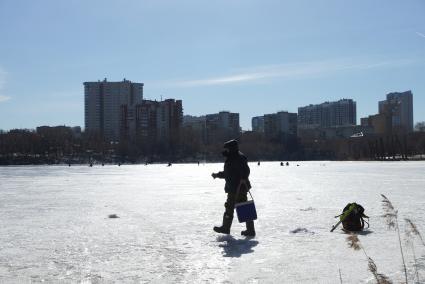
113	216
308	209
301	230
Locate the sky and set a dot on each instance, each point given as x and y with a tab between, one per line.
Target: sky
245	56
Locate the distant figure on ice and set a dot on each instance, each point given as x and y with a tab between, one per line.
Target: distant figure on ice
236	173
281	164
169	165
287	163
258	163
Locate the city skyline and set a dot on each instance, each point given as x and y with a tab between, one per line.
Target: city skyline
118	92
246	57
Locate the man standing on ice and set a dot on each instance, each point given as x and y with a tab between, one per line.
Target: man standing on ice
236	173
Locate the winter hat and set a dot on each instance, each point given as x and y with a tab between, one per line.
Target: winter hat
232	145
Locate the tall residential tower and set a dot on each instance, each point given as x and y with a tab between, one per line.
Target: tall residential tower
109	108
159	122
399	107
328	114
222	126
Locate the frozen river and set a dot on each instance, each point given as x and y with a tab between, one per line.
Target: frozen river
54	223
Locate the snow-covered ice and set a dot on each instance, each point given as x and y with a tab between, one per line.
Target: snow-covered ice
54	223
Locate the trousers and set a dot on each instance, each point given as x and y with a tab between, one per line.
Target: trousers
232	199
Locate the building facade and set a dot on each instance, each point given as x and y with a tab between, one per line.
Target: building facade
399	106
159	122
395	115
328	114
146	121
196	126
222	126
169	121
257	124
380	123
280	125
109	108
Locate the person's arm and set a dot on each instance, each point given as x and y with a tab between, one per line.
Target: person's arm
245	171
224	173
218	175
221	175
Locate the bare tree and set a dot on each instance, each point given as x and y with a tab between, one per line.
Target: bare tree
420	126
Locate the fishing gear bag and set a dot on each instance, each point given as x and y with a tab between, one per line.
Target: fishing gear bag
352	217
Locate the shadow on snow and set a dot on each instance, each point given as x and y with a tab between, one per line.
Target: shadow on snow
360	233
236	247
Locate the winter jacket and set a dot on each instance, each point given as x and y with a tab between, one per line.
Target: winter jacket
235	169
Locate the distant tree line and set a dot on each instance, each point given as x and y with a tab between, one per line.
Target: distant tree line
51	145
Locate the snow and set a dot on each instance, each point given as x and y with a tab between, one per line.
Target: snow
55	223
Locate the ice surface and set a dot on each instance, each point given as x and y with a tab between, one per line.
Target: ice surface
55	223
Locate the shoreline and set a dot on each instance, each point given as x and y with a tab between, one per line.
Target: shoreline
96	163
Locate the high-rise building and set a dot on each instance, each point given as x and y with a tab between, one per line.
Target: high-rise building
159	122
257	123
328	114
399	106
222	126
146	129
280	125
109	108
169	120
196	122
197	126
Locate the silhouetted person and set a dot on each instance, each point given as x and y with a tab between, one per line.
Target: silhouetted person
91	165
169	165
258	163
287	163
281	163
236	173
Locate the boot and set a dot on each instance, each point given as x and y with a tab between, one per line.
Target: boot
250	230
225	228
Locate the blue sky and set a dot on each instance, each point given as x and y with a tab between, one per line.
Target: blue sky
251	57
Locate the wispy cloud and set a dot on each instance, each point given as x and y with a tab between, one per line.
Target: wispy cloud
4	98
3	74
420	34
287	71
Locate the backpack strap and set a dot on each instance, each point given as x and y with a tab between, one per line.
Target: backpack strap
364	221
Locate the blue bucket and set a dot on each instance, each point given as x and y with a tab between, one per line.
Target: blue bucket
246	211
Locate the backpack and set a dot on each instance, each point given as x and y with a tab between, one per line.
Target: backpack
352	217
